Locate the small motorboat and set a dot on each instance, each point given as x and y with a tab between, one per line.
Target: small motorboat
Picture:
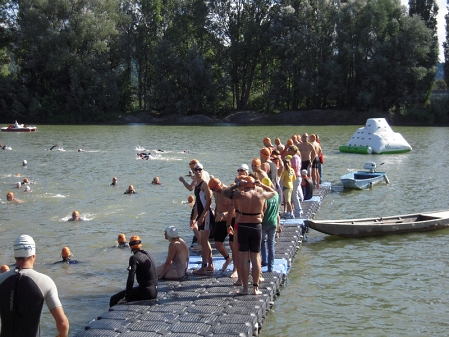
398	224
364	179
19	128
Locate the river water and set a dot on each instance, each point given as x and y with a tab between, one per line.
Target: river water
389	286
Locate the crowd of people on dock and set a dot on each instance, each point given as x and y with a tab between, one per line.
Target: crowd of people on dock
248	209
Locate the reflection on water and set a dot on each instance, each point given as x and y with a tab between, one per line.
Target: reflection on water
370	287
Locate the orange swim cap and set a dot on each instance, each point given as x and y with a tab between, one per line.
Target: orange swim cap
76	213
289	142
65	252
256	162
156	180
193	162
9	196
265	151
266	140
121	238
250	182
25	181
134	242
214	182
190	198
4	268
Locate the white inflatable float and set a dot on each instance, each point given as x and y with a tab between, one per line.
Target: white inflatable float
376	137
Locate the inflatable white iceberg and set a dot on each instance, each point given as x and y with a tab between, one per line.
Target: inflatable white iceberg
376	137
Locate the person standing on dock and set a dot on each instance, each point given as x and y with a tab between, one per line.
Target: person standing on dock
141	264
250	209
202	218
221	216
23	292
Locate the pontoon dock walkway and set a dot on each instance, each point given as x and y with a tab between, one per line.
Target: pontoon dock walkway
207	305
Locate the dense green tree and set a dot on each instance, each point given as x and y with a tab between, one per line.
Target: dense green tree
242	27
446	47
427	10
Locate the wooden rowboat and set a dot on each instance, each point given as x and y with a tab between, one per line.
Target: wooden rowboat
398	224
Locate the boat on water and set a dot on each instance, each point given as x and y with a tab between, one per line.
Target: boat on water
361	180
19	128
397	224
376	137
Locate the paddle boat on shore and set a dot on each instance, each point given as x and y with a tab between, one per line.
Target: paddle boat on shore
361	180
397	224
19	128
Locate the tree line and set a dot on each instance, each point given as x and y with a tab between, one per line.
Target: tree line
73	61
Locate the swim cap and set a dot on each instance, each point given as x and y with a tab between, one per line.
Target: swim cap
190	198
277	141
172	232
25	162
24	246
243	167
266	181
27	189
198	166
289	142
121	238
304	172
25	181
250	182
156	180
193	162
135	243
256	162
265	151
4	268
75	213
66	252
9	196
19	184
214	182
266	140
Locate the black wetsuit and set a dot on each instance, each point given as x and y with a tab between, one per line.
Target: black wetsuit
307	188
142	265
22	295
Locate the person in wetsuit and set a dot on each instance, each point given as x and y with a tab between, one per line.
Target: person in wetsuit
66	257
142	266
23	292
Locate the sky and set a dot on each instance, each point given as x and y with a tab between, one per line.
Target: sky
442	4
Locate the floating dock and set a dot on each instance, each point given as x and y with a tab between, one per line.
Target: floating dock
208	305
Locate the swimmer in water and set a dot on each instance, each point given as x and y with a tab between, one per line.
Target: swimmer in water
66	257
80	150
114	181
4	268
75	216
156	181
18	184
130	190
10	197
24	163
121	240
25	181
27	189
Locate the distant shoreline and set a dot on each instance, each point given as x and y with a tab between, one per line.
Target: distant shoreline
309	117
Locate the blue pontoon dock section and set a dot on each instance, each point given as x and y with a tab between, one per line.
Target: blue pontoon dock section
208	305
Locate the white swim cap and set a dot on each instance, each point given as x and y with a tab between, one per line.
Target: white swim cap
25	162
24	246
19	184
172	232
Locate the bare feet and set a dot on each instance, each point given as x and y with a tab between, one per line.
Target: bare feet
234	274
201	271
238	283
256	291
242	292
226	264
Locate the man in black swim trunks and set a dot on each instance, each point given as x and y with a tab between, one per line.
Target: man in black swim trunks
250	214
